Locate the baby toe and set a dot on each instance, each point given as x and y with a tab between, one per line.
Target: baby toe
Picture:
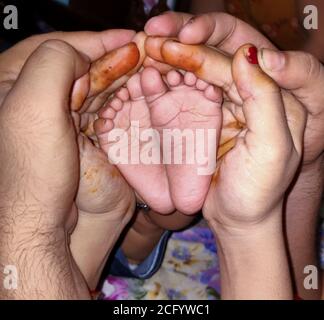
201	85
116	104
122	94
103	126
134	87
108	113
214	94
190	79
152	84
174	78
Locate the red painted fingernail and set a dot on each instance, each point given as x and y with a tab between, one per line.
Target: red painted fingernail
252	55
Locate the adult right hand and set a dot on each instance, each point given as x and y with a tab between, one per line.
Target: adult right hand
299	73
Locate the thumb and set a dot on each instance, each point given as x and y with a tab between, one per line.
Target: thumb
262	101
299	72
45	82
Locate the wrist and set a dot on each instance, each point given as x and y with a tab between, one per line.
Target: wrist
40	258
253	260
229	225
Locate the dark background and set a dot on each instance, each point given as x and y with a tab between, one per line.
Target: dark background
40	16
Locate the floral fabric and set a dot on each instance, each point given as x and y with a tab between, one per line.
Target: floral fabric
189	270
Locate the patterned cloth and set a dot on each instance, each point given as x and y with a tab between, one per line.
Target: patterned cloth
189	270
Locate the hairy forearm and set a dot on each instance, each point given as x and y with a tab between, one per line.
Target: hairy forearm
302	219
93	239
39	259
253	262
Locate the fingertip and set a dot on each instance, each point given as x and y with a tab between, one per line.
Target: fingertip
167	24
272	60
247	74
112	39
189	34
153	47
197	30
183	56
156	26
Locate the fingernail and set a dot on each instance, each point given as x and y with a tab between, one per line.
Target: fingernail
273	60
252	55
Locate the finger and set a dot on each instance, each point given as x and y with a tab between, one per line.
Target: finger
161	67
108	74
296	117
93	44
154	58
262	101
46	80
218	29
167	25
206	63
112	66
103	73
153	47
299	72
222	30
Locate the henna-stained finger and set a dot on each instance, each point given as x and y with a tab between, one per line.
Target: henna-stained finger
153	47
121	73
139	40
103	73
154	58
112	66
206	63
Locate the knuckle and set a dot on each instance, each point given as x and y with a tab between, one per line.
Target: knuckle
57	46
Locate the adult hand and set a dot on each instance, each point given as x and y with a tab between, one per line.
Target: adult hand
298	72
105	205
303	76
39	156
244	205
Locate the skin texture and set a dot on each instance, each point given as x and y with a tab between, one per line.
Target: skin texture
148	100
301	75
129	105
115	63
95	212
44	227
193	58
69	264
248	217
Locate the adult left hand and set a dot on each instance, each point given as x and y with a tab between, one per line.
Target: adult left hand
39	155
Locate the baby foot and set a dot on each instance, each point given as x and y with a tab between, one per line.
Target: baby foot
193	107
127	117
